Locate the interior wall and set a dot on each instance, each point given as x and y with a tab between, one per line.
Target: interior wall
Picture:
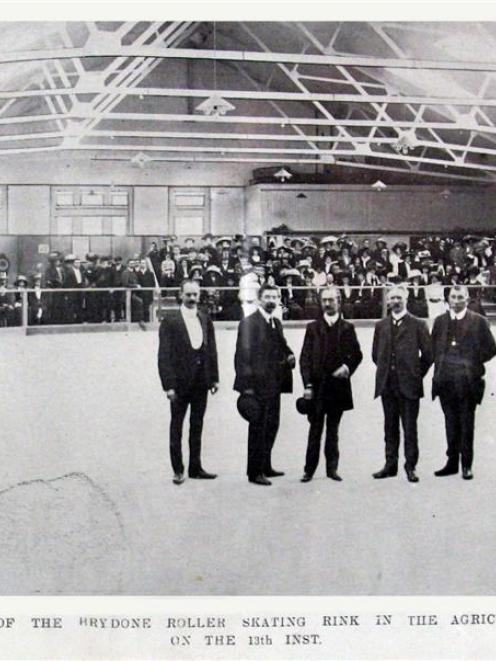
358	208
25	215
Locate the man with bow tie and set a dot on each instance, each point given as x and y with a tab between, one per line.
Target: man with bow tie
462	343
402	352
188	369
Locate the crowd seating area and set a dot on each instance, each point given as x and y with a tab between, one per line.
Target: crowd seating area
231	268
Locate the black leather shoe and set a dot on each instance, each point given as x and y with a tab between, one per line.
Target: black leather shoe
260	479
273	473
385	472
467	474
449	469
306	477
202	475
334	476
412	476
178	478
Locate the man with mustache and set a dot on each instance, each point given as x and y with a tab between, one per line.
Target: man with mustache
263	363
402	353
330	355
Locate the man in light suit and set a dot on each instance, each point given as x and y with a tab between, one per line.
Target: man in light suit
402	352
263	363
188	369
462	343
330	355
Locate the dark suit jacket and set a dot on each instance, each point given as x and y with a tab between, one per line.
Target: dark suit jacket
475	343
313	359
413	355
253	360
174	367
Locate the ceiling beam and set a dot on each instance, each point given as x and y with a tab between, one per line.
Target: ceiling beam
244	56
387	156
250	95
261	120
243	137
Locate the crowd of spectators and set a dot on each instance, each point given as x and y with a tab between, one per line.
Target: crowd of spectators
231	268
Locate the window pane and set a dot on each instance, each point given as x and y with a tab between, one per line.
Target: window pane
92	225
64	225
64	199
119	199
92	199
119	225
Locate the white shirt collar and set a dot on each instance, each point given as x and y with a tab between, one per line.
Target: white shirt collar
331	318
398	317
189	313
265	315
458	315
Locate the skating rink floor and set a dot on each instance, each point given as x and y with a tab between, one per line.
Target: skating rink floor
87	504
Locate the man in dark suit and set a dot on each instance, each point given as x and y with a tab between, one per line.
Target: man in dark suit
462	343
403	354
330	355
187	364
263	363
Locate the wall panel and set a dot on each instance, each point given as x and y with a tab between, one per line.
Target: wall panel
150	213
28	209
227	210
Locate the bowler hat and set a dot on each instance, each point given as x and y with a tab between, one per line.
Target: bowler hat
249	408
305	406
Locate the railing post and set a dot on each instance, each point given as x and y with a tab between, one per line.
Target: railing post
384	301
128	306
24	312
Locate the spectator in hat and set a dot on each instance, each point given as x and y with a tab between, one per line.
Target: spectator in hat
434	292
73	279
361	300
399	266
209	247
347	295
373	292
37	303
330	355
104	282
182	271
6	300
263	363
474	287
118	298
146	280
188	369
155	258
310	299
54	279
167	274
20	284
130	280
91	301
417	303
291	296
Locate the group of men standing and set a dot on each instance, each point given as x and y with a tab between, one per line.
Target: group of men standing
403	352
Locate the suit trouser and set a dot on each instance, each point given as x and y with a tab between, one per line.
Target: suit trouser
196	399
397	407
261	436
459	419
331	448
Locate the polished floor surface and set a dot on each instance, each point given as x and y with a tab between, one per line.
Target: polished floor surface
87	505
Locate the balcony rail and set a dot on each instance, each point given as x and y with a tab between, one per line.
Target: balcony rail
23	307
